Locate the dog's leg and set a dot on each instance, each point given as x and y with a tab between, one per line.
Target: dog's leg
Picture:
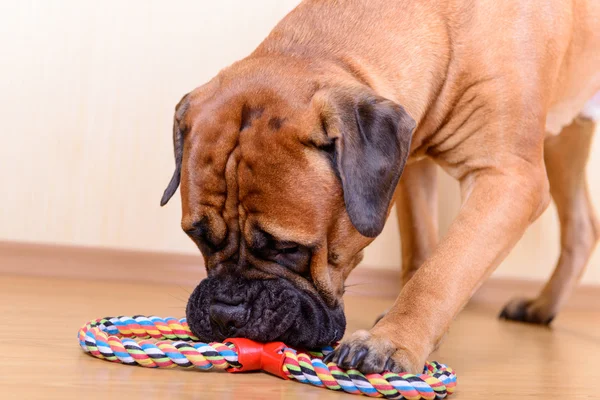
416	209
499	203
566	157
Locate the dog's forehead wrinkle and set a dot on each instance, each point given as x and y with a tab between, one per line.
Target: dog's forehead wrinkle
248	115
230	211
275	123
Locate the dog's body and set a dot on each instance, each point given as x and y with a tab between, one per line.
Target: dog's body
290	160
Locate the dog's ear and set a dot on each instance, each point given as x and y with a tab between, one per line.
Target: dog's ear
178	136
369	139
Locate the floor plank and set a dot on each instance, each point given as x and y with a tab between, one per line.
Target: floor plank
494	359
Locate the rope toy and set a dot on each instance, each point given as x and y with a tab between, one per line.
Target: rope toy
169	343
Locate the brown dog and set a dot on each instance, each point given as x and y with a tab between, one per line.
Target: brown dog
290	160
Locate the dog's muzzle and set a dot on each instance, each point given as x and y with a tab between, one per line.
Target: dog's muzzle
262	310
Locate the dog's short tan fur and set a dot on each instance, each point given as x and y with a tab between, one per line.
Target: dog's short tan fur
490	85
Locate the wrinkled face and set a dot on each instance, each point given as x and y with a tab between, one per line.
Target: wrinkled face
265	197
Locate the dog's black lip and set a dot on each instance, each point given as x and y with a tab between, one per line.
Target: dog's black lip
279	311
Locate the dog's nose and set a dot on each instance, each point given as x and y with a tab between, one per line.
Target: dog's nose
228	318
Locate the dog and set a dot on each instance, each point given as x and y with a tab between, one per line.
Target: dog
290	160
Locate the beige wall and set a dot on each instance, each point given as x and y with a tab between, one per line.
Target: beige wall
87	94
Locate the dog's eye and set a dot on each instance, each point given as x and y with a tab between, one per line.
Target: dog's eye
289	254
293	256
287	248
200	234
273	249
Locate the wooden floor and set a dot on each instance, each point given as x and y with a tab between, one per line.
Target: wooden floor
40	358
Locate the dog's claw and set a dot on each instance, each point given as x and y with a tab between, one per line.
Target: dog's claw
329	357
358	358
342	354
389	365
370	353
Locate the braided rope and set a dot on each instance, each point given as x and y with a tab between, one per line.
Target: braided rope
169	343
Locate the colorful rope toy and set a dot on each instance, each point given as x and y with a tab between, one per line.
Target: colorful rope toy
169	343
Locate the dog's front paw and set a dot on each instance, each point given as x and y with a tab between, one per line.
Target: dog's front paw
524	310
370	353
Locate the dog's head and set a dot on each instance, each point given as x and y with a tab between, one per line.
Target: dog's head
286	175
